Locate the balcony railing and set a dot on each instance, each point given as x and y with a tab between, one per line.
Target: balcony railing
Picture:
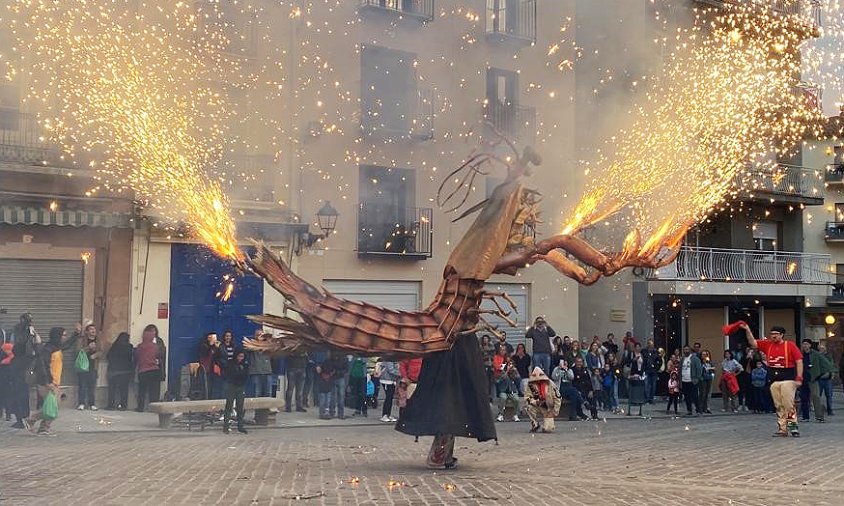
513	121
747	266
511	20
810	94
386	230
807	11
788	180
834	231
421	9
22	140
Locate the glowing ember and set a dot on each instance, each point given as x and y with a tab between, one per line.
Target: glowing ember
54	206
85	256
728	104
228	288
354	480
133	93
394	484
451	487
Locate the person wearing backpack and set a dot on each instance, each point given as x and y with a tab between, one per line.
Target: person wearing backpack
22	375
357	384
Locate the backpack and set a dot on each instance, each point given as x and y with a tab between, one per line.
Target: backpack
759	377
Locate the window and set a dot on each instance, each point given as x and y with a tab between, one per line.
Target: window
502	87
388	88
388	222
512	19
765	235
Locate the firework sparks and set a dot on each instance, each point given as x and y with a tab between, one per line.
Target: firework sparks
727	105
131	93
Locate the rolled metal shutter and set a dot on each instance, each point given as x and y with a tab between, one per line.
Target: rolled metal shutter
401	295
49	289
520	293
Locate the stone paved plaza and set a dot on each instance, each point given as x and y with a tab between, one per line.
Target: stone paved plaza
729	460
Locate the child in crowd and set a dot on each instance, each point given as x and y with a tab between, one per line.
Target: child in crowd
673	388
597	387
608	381
759	383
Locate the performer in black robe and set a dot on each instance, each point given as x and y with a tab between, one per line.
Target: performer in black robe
451	399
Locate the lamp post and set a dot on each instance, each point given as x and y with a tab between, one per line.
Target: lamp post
327	222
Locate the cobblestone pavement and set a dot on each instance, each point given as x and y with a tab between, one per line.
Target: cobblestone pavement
729	460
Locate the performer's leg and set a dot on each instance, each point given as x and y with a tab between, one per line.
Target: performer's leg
776	394
442	452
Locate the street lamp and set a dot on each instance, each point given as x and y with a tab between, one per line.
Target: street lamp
327	221
327	218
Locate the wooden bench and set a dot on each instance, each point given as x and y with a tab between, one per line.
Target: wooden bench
261	405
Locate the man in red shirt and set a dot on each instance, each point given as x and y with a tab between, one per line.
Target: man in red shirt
785	371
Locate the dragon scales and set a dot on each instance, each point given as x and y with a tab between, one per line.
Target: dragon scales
495	243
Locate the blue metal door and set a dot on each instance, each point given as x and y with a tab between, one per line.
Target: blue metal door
196	276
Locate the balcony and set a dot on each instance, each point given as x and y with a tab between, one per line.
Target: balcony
747	266
515	122
511	21
23	141
388	231
423	10
401	119
785	183
805	13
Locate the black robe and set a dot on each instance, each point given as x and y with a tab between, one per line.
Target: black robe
452	395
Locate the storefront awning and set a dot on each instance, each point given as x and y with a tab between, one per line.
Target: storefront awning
15	215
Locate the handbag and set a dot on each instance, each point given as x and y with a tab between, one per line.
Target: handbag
50	408
82	363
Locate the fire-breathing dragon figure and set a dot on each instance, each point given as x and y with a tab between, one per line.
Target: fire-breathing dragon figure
496	243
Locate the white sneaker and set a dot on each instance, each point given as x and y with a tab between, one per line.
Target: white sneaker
81	407
500	418
94	408
516	418
385	419
393	419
